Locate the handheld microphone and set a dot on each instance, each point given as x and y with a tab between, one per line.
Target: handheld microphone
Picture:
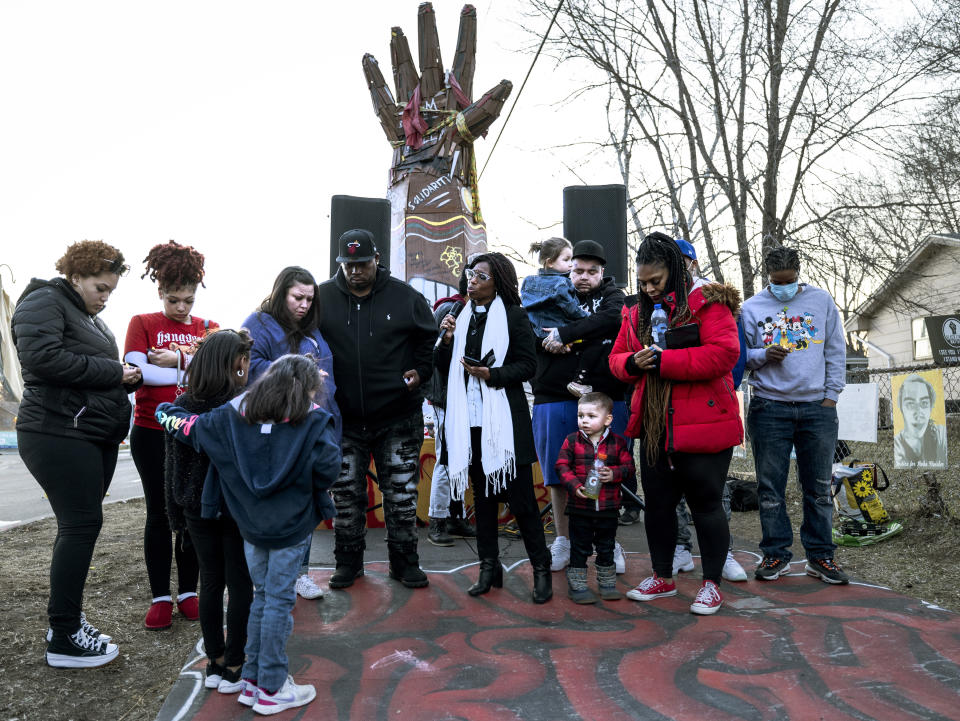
455	310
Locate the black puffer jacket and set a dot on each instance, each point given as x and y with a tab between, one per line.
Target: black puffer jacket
71	367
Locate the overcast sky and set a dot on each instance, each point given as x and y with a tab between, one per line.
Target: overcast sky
229	125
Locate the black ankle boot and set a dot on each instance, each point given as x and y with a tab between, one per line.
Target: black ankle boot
349	568
491	575
405	566
542	583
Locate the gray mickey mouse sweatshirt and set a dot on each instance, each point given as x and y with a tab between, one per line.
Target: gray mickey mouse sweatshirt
809	327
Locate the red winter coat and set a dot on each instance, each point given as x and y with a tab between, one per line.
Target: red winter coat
703	415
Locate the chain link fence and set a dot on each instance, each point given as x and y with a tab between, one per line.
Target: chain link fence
911	489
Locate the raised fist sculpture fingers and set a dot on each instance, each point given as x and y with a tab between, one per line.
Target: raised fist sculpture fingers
432	123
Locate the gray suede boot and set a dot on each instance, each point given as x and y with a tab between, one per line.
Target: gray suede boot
607	581
577	590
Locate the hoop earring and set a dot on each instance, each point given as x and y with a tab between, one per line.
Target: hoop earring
240	372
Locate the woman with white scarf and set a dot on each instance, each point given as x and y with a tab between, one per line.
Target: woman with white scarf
487	352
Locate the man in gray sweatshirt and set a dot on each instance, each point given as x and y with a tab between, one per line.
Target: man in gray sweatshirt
796	356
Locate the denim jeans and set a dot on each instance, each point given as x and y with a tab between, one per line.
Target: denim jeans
274	574
775	427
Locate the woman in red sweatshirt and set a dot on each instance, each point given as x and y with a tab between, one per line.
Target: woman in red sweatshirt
159	344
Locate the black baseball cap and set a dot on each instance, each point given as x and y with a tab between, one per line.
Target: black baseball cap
589	249
357	246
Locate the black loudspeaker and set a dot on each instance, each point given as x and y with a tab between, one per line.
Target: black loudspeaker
348	212
599	212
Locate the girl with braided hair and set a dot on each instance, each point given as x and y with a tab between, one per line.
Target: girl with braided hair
486	353
160	345
684	412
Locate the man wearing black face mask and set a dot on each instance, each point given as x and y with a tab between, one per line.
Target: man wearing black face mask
796	354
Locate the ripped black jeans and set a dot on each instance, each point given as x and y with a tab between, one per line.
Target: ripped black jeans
396	455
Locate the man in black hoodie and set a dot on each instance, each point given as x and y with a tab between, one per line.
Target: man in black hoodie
381	334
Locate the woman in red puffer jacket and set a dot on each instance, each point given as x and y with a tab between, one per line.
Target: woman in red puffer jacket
684	412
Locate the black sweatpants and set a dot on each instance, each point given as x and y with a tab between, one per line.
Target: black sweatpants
519	496
147	449
75	474
701	478
223	565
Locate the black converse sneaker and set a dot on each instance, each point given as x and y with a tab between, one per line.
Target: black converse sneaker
88	628
78	650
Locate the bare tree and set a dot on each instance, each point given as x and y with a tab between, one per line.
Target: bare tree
739	108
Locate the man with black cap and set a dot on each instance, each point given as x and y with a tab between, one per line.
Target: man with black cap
554	409
381	334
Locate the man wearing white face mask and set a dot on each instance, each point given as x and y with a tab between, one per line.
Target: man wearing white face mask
796	355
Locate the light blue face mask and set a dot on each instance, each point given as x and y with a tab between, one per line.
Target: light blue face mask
785	292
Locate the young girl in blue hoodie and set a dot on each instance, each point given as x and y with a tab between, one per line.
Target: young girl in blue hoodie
274	456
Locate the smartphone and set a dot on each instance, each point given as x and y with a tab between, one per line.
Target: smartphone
471	361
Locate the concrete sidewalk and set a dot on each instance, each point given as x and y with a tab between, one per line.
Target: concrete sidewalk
795	648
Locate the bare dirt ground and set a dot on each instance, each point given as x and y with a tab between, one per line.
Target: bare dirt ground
921	562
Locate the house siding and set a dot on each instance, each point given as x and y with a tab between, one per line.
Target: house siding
934	281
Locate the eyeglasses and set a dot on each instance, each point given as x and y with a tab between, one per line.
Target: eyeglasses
479	275
115	265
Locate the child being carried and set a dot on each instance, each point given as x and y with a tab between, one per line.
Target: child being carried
551	302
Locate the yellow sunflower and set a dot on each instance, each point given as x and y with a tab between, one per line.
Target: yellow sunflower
862	489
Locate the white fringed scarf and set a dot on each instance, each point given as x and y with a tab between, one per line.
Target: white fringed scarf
499	460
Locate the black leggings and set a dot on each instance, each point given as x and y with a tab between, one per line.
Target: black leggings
147	449
219	549
75	475
523	505
700	477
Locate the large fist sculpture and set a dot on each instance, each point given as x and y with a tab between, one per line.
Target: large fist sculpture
435	210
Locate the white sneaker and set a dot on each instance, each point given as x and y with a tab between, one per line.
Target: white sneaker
733	571
306	588
290	695
560	553
682	560
619	560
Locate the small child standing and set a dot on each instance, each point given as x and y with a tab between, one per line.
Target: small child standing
551	302
593	522
276	455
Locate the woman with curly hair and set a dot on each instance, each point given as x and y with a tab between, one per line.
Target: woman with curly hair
73	415
160	345
683	411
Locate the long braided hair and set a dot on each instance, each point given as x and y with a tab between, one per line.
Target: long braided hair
171	266
504	276
660	250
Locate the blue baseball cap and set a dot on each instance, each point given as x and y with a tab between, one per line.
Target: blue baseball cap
686	248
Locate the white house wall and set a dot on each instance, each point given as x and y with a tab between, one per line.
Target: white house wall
936	283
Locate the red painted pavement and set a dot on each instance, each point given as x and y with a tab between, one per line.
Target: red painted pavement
795	648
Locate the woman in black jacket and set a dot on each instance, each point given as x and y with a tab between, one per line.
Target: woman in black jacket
487	353
74	414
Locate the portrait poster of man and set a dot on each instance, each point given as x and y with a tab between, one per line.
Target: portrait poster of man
919	421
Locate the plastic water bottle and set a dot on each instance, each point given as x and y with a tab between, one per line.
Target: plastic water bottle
591	487
658	324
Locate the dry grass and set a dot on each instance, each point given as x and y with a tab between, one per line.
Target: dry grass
131	688
920	561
